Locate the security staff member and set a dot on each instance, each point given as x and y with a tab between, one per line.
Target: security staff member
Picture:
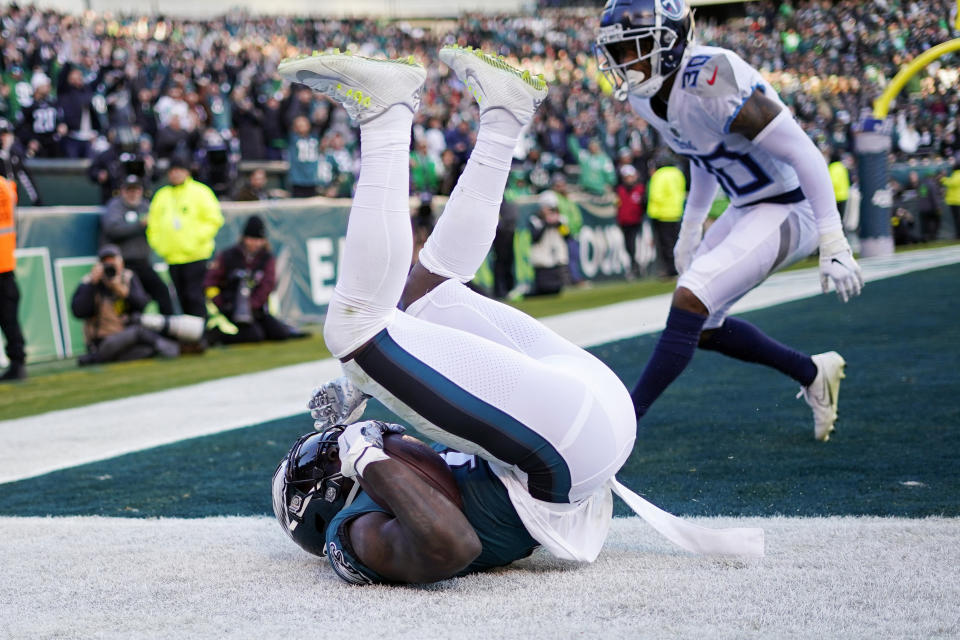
9	293
184	219
840	178
665	197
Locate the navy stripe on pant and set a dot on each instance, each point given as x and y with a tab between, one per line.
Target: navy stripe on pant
458	412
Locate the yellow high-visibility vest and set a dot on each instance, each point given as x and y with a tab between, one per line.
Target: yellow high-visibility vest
8	231
666	194
840	178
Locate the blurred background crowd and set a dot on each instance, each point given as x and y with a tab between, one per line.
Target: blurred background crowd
126	91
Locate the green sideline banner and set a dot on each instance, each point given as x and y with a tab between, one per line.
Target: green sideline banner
306	236
70	272
37	310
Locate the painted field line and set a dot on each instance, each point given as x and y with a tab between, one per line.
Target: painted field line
39	444
592	327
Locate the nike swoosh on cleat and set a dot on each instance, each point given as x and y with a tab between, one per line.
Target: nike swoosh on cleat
473	82
474	79
304	74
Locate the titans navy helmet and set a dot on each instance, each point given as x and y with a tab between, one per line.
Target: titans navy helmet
308	489
635	30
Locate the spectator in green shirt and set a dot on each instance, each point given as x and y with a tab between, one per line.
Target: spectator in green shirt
597	175
341	162
424	172
302	176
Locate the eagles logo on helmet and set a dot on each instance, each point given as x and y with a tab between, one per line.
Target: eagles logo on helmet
308	489
654	30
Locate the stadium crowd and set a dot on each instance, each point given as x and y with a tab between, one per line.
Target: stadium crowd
134	94
74	85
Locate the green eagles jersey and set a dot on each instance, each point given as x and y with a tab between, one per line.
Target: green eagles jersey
485	504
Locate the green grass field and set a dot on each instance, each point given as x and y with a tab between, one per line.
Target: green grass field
62	385
727	438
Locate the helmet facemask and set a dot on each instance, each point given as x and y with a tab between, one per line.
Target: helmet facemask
618	50
309	490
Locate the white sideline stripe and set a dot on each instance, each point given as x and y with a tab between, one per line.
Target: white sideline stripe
858	577
592	327
47	442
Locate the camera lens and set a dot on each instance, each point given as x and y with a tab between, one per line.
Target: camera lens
109	270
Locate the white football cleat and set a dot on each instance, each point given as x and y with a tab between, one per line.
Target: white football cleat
364	86
336	402
494	83
823	393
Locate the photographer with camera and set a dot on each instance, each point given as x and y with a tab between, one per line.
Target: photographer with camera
549	251
124	223
239	283
109	300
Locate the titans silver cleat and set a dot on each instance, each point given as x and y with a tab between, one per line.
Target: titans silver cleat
824	392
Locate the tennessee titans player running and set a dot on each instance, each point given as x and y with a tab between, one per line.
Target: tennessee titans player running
549	423
712	107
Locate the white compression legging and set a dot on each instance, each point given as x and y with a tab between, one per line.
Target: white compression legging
468	371
379	244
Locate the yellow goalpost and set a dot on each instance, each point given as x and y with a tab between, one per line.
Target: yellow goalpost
882	104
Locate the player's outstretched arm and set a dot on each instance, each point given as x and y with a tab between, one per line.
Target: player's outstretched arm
773	129
703	189
427	538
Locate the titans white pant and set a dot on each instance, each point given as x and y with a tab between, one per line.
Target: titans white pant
742	248
467	371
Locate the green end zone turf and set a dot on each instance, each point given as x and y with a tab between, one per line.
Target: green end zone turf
728	438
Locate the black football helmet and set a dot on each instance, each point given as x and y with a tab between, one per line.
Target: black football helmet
308	489
658	30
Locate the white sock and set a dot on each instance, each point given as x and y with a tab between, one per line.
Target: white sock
463	235
379	244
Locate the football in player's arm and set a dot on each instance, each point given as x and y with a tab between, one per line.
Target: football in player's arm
425	537
397	528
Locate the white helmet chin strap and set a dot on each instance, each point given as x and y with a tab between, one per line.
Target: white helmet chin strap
638	85
642	87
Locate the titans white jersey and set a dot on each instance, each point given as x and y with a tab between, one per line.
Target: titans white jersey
710	88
